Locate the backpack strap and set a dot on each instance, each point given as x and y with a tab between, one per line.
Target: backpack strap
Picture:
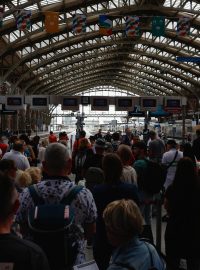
170	164
71	195
37	200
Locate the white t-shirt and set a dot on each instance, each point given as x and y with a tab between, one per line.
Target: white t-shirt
129	175
167	159
41	153
20	160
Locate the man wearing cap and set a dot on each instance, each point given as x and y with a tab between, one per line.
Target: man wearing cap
96	159
171	154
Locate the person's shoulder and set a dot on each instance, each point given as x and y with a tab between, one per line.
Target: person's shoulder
128	186
85	194
100	188
168	153
26	245
140	163
180	153
6	155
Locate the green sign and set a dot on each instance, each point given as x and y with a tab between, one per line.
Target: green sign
158	26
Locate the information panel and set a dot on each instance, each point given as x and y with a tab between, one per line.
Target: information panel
149	104
99	103
85	100
173	104
14	103
124	104
39	102
70	103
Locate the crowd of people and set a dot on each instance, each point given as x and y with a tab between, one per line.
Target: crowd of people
47	219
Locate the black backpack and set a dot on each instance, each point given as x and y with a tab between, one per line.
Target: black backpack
152	178
49	226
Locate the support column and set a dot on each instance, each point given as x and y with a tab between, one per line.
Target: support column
28	120
33	120
183	123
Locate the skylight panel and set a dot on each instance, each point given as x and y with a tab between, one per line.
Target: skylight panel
19	2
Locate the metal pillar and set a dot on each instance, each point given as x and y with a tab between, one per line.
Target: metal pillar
183	123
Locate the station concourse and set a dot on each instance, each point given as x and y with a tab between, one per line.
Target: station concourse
127	73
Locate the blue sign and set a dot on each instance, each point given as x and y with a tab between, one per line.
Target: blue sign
188	59
159	112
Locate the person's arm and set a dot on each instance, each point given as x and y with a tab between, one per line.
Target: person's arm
89	229
134	176
26	163
150	151
31	152
164	161
91	215
22	213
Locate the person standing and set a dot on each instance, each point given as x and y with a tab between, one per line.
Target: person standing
171	157
156	147
15	253
52	137
53	188
17	155
128	137
196	145
98	135
123	223
112	189
182	235
141	166
108	137
3	146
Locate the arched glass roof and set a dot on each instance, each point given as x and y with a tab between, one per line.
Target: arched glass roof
33	61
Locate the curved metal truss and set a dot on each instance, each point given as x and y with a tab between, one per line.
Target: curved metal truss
64	63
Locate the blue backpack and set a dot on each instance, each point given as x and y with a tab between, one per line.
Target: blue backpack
49	226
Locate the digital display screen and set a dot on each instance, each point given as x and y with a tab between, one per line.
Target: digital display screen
14	101
149	102
70	102
85	100
100	102
125	102
173	103
39	101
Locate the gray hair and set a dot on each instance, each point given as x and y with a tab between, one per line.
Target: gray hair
56	155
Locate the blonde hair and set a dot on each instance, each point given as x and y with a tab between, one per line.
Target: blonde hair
23	179
123	219
125	153
35	174
44	142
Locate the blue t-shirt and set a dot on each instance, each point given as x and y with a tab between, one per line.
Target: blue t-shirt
136	254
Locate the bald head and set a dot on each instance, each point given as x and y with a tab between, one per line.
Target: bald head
56	159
